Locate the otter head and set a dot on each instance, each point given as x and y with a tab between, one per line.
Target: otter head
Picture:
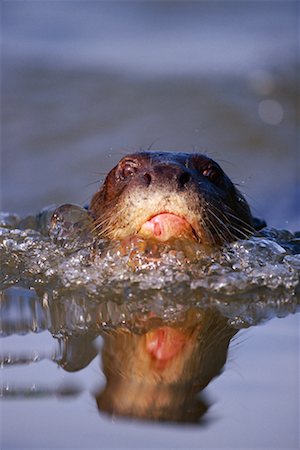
165	195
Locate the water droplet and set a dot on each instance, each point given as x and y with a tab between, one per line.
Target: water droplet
270	111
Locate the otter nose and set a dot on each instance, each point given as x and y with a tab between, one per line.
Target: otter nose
176	176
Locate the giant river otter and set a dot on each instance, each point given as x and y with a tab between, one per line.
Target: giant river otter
166	195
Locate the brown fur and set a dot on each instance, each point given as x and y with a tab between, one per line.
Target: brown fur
188	185
139	386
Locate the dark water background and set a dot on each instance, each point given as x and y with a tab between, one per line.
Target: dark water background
83	83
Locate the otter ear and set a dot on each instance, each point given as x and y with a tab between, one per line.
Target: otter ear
258	224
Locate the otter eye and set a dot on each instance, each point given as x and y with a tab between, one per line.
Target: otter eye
213	173
127	169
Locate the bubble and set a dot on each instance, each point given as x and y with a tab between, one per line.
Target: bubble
270	112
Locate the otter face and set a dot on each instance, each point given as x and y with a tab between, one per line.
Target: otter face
166	195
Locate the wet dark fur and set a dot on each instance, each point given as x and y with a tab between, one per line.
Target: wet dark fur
189	185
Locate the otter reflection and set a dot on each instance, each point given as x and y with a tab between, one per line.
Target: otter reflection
155	369
159	373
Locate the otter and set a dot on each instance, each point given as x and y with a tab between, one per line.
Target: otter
167	195
160	374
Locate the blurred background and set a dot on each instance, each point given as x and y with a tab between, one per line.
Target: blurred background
84	83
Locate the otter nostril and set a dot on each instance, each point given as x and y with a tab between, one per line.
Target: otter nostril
183	179
147	179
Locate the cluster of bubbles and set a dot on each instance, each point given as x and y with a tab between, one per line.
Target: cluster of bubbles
59	256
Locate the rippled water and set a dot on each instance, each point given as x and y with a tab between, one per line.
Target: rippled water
166	313
62	256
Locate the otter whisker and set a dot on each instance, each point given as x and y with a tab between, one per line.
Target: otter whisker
225	226
242	230
245	231
242	233
219	233
110	214
246	227
239	231
206	228
100	228
92	183
101	223
107	230
215	331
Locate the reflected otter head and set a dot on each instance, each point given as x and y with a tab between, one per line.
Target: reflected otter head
159	373
170	195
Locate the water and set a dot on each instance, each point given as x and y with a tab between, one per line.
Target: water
159	317
83	84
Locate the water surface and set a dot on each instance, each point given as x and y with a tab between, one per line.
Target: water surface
83	84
